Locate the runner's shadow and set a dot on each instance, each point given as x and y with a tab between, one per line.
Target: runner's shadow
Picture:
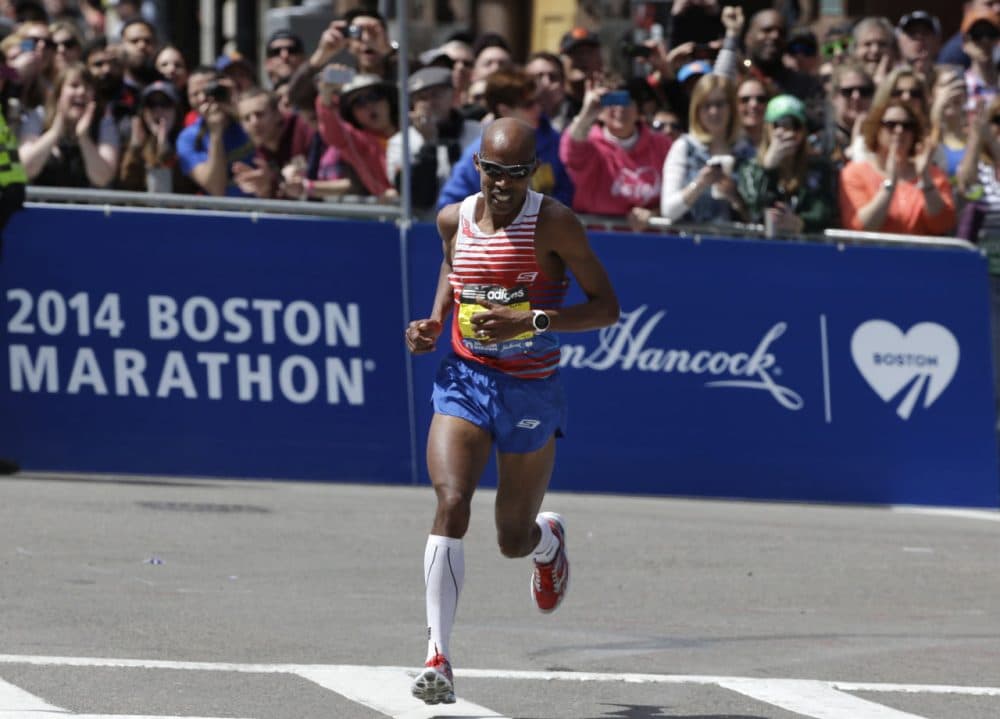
639	711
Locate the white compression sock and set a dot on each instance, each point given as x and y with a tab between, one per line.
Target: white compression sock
444	572
548	545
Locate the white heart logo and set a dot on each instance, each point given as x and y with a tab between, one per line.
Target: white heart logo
924	359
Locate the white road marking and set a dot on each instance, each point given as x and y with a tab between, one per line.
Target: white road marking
990	515
386	689
813	699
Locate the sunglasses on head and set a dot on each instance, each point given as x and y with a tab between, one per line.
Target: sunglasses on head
835	47
366	98
862	90
661	125
494	170
907	125
276	50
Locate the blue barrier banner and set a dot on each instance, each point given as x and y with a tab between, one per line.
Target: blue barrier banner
201	344
773	370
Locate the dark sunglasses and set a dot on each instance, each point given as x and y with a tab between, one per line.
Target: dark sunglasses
835	47
660	126
494	170
788	123
68	44
366	98
862	90
276	50
160	103
916	93
801	48
907	125
761	99
980	32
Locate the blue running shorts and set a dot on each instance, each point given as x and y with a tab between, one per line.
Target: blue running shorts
520	414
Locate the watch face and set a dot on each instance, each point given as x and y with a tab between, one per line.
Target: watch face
541	321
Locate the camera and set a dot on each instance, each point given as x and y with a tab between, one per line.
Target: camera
631	49
354	32
215	90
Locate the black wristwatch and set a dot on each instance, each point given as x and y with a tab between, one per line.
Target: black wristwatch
540	321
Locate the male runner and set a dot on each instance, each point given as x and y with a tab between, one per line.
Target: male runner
507	250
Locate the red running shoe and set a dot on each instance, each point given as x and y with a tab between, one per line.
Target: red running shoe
550	581
435	684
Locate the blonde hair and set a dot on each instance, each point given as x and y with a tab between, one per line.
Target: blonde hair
706	85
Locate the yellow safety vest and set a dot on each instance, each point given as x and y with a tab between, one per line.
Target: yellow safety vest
11	170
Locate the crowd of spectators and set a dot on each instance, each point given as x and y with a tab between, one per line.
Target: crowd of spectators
867	123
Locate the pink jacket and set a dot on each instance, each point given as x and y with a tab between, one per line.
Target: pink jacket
610	180
363	151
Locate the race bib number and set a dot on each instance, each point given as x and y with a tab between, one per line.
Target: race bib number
514	297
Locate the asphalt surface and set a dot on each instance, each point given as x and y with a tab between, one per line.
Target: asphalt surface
276	575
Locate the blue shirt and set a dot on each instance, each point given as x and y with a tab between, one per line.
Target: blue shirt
192	150
550	178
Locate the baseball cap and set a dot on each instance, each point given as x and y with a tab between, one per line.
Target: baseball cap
285	35
919	16
976	16
161	87
698	67
785	106
429	77
577	37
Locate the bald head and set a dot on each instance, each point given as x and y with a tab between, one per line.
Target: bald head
509	141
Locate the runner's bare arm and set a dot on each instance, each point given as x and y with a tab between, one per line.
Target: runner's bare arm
422	335
562	234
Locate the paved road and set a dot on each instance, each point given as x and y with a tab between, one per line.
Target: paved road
137	597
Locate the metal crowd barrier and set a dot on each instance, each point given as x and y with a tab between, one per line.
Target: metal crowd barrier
356	207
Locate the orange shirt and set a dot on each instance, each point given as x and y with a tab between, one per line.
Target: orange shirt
860	181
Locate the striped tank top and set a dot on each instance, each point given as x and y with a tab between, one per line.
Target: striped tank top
502	268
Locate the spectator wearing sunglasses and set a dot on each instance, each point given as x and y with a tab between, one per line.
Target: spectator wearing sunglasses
952	52
358	119
919	36
786	187
851	93
68	44
752	96
895	187
455	55
438	134
150	163
802	51
667	122
837	41
35	63
980	34
549	75
511	93
284	54
614	160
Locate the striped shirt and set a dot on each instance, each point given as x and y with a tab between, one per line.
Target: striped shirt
502	267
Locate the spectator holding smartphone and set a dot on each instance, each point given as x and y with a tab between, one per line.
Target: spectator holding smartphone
785	187
209	147
613	159
699	173
69	144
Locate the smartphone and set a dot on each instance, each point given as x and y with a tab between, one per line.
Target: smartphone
337	75
631	49
616	98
